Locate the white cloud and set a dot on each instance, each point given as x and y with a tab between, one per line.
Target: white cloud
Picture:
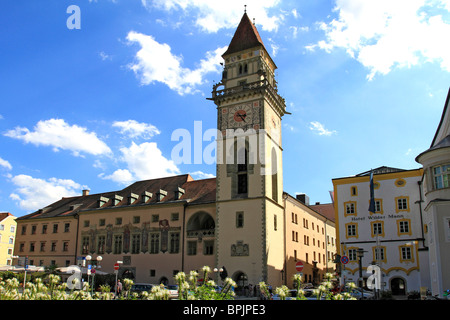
58	134
143	161
134	129
5	164
155	62
319	128
384	34
201	175
215	15
33	194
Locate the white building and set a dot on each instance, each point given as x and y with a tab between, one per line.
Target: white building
392	236
436	196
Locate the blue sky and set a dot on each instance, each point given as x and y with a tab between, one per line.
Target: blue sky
95	108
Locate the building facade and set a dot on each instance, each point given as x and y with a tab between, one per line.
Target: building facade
310	239
237	221
8	227
391	237
436	200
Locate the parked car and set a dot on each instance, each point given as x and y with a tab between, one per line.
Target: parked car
141	287
173	291
356	293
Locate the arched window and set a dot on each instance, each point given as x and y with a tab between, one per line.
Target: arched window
242	168
274	175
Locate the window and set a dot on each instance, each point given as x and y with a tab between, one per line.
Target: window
379	253
350	208
101	244
441	176
136	219
377	228
352	230
53	248
155	217
174	242
101	222
403	227
175	216
352	255
42	249
354	191
86	223
44	229
242	177
65	246
135	243
275	223
66	227
24	230
274	176
118	221
192	248
154	243
239	219
117	244
406	254
55	228
402	204
33	229
85	245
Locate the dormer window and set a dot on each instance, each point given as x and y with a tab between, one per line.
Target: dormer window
132	198
146	196
101	202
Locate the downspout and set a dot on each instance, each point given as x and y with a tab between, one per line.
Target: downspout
77	218
420	210
184	235
284	241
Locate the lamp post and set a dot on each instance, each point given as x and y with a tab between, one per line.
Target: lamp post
118	263
360	254
88	258
96	266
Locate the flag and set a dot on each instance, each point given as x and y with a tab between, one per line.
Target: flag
372	197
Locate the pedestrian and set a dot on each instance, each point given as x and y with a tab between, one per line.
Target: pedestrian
118	287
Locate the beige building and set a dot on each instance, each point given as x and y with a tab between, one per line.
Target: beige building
239	221
310	238
8	227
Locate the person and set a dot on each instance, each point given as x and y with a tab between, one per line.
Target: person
119	287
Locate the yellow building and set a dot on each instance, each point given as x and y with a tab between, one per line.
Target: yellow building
237	221
8	227
392	236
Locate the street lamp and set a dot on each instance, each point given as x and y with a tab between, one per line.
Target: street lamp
222	272
96	266
360	253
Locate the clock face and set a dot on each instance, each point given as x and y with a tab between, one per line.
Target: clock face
240	116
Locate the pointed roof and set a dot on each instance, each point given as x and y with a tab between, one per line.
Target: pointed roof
245	37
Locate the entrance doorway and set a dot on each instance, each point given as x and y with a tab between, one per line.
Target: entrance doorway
398	287
241	280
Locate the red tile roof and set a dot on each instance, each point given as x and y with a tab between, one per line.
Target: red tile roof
245	37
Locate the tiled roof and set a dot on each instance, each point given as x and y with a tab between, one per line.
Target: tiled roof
245	37
192	191
325	209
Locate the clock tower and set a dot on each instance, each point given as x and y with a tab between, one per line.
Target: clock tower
250	237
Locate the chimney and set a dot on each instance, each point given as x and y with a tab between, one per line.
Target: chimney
303	198
85	192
